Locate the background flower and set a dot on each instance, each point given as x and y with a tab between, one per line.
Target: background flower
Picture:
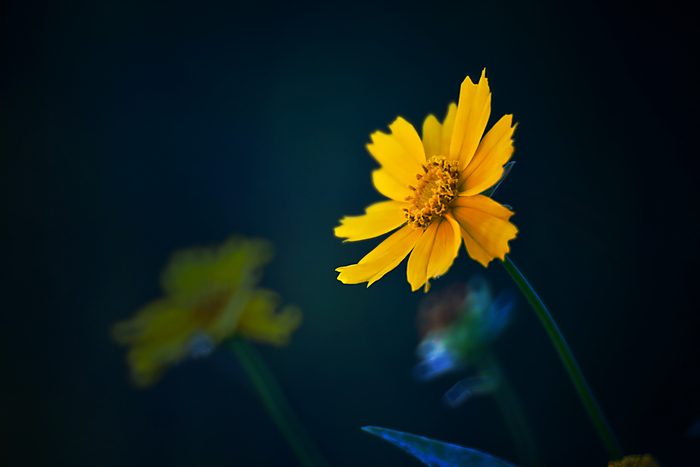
210	295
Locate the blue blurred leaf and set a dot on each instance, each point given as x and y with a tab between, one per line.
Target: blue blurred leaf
468	387
436	453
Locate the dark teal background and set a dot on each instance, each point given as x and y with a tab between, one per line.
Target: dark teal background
132	129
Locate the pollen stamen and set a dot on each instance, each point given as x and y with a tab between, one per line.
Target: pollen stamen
436	189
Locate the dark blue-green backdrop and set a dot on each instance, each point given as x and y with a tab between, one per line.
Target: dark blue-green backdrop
131	129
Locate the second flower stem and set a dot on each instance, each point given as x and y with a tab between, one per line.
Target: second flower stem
276	404
584	392
509	403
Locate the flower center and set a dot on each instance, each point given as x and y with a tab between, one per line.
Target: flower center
436	188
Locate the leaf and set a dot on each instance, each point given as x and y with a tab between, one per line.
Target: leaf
436	453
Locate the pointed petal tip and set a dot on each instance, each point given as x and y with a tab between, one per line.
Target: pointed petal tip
467	80
481	77
343	277
379	218
399	119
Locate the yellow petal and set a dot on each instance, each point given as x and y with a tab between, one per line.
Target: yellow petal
407	136
379	219
417	270
486	167
385	257
400	153
436	136
432	137
160	320
261	322
485	224
389	186
159	335
149	360
447	129
457	238
434	253
236	263
445	248
473	113
225	318
476	252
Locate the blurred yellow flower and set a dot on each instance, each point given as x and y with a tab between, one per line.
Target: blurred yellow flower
635	461
435	187
210	295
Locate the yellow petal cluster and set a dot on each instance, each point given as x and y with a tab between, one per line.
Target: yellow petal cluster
210	295
434	185
646	460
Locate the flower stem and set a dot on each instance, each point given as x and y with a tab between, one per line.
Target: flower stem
509	404
276	404
584	392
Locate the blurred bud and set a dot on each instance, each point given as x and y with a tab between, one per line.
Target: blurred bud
457	326
461	320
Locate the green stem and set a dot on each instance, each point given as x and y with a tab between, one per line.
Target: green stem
584	392
276	404
510	407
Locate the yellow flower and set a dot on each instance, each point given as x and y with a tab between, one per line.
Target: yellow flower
434	187
635	461
210	294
